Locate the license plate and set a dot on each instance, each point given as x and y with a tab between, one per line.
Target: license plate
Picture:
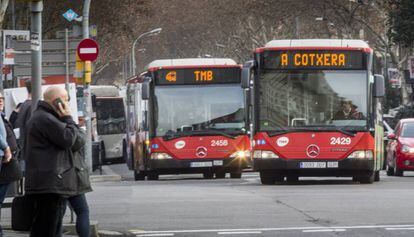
333	164
201	164
217	162
305	165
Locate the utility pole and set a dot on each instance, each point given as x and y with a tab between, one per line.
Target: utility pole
87	90
36	8
67	60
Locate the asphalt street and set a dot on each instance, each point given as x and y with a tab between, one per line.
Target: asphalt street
187	205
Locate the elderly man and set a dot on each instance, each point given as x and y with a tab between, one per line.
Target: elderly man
51	133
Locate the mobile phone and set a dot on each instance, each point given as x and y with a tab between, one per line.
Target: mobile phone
57	102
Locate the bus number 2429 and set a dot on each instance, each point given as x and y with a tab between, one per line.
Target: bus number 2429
340	140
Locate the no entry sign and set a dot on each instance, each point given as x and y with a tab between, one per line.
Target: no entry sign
88	50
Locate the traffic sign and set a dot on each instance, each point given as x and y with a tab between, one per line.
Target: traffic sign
70	15
88	50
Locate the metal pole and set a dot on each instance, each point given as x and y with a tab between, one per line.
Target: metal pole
67	59
149	33
36	8
87	93
13	15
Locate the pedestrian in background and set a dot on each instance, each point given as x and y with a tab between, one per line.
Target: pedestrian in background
10	169
24	111
50	173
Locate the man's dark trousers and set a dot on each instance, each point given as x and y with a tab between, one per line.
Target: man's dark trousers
48	215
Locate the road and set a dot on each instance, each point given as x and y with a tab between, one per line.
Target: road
187	205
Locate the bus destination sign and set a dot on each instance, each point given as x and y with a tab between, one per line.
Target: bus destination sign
315	59
195	76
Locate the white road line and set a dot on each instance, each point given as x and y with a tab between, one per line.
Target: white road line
324	230
401	228
274	229
239	232
154	235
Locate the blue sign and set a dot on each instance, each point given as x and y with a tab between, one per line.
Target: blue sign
70	15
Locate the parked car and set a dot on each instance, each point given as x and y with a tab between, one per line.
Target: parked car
400	148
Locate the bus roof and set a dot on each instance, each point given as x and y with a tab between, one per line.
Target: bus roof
105	91
316	43
190	62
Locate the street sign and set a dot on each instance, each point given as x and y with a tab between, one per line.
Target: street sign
394	77
88	50
70	15
53	57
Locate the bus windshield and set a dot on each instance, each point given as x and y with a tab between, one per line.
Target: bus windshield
313	99
199	108
110	115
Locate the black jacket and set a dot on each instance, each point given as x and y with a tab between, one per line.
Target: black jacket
48	155
78	153
23	116
10	171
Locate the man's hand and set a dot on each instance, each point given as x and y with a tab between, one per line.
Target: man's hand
64	110
7	155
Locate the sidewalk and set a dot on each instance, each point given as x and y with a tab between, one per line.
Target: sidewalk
108	175
10	233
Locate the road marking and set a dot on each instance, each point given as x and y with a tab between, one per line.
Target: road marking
324	230
154	235
274	229
401	228
239	232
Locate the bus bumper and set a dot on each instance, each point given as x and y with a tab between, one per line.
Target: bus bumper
174	166
341	168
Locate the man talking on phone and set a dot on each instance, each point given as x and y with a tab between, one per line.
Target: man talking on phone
51	132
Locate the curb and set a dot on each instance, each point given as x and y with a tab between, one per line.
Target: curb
70	229
109	175
110	233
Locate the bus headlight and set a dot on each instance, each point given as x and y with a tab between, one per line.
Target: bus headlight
407	149
368	154
160	156
264	154
240	154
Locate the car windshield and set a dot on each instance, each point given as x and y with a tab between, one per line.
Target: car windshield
407	130
199	108
315	98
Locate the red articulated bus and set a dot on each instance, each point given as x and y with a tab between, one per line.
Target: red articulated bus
317	110
187	116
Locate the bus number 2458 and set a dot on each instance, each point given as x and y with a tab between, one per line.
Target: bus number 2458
219	143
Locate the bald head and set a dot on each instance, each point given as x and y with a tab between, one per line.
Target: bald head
54	92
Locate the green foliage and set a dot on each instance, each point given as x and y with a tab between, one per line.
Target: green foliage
402	22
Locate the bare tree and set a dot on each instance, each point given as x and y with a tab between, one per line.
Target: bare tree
3	8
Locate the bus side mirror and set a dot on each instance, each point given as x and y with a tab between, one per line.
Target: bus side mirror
146	89
93	98
246	74
245	78
379	86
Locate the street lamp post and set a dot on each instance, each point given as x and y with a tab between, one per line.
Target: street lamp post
155	31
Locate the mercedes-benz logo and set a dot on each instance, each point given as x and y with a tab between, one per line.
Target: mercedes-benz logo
312	151
201	152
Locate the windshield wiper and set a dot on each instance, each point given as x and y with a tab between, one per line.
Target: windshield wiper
312	129
196	133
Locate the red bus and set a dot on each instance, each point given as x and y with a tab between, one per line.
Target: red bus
187	116
317	110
